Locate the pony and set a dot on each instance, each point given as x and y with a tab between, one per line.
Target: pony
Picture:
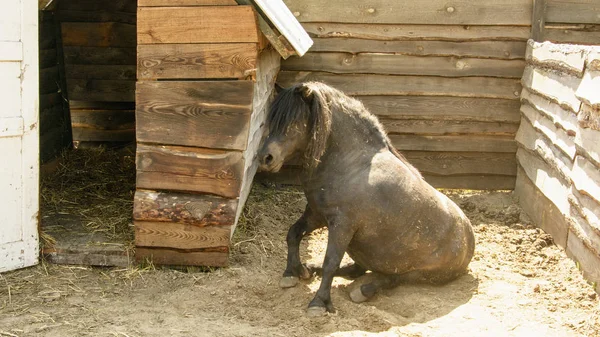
376	206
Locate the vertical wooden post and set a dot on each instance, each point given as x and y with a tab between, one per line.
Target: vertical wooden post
538	20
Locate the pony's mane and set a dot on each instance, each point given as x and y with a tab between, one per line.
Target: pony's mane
313	102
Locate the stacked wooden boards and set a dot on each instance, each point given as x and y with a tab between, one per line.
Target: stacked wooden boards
558	180
204	81
99	51
443	78
568	21
55	124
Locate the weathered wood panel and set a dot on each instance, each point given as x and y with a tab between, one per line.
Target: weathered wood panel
194	113
127	6
209	24
559	137
472	182
180	236
445	127
462	143
481	49
100	55
187	169
564	58
573	11
167	3
461	163
103	125
392	64
105	15
369	84
540	209
586	178
198	210
165	256
98	34
404	32
562	118
104	72
588	261
175	61
575	34
559	87
587	91
101	90
443	108
462	12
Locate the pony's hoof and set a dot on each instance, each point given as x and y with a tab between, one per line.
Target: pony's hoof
288	281
357	296
316	311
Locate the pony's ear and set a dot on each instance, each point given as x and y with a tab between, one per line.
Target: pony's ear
306	92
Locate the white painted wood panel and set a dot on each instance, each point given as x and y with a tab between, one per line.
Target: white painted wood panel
10	20
10	184
10	88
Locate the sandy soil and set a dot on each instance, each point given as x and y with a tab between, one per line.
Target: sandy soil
519	284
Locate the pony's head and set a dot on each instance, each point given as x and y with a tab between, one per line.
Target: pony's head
299	122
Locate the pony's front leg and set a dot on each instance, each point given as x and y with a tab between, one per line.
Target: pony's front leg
339	237
295	270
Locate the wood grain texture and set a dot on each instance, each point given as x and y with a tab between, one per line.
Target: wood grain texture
98	34
369	84
462	143
443	108
164	256
168	3
101	90
197	210
227	60
538	19
103	119
588	261
187	169
573	11
557	136
194	113
463	163
100	55
100	72
481	49
379	63
99	135
96	16
180	236
562	118
540	209
503	12
472	182
404	32
556	86
446	127
563	58
575	34
128	6
204	24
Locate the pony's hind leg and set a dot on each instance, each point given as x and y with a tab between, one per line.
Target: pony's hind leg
350	271
385	281
295	270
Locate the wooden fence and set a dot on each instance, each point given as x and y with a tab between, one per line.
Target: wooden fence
442	78
558	180
567	21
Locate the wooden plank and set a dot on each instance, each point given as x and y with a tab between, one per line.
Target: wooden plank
466	143
370	84
445	127
540	209
566	58
163	256
472	182
562	118
100	72
573	11
546	178
586	207
587	91
575	34
557	136
586	178
538	19
443	108
128	6
96	16
588	233
198	210
175	61
100	55
103	119
101	90
482	49
376	63
587	261
588	145
390	32
82	134
556	86
463	163
196	24
180	236
168	3
461	12
189	169
212	114
98	34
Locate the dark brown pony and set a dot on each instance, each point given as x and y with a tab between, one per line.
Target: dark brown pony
376	206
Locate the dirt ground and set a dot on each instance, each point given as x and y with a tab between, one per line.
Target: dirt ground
519	284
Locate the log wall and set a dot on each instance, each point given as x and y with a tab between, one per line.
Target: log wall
202	94
558	179
568	21
99	42
442	78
